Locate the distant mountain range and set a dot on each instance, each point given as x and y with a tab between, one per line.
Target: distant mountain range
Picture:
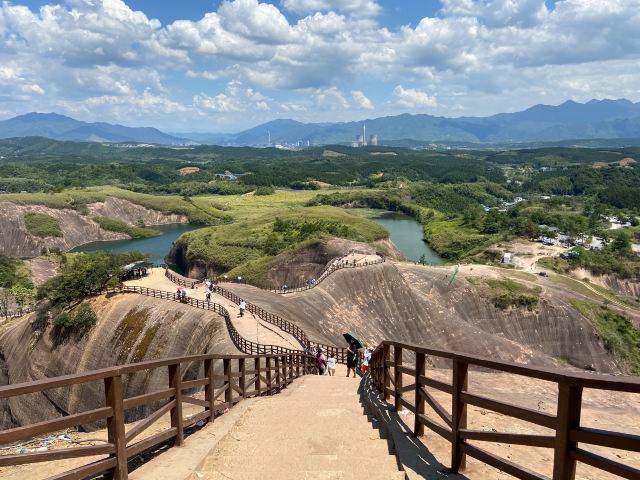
540	123
596	119
60	127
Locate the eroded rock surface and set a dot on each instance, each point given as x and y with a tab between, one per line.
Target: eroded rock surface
416	304
131	328
132	213
77	229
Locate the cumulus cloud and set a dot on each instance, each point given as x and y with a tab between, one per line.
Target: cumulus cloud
331	99
361	100
234	99
361	8
474	54
413	99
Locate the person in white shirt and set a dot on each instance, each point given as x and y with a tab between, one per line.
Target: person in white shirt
243	306
331	364
365	361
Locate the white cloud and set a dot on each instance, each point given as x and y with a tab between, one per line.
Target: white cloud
361	100
413	99
359	8
234	99
483	55
331	99
33	88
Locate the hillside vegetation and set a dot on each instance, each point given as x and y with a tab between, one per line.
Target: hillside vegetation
78	199
246	247
42	225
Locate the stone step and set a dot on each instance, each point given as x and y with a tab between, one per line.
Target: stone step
297	475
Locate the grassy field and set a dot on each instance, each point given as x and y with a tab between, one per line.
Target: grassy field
265	226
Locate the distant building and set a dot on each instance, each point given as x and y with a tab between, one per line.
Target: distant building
227	175
373	140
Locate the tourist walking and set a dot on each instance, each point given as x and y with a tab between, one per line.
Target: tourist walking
322	362
366	357
352	358
243	306
208	296
331	364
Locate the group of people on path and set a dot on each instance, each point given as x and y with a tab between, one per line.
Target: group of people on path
181	294
327	363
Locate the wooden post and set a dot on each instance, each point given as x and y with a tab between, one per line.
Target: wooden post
569	408
397	360
269	376
115	426
175	382
291	365
228	394
257	384
297	365
278	378
242	381
418	427
385	371
209	390
458	414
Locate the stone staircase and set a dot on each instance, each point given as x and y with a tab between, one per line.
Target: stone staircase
313	430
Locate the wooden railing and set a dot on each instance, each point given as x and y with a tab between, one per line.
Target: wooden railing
243	376
334	267
18	313
179	279
286	326
244	345
387	370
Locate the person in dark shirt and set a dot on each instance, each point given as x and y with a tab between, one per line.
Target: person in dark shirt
352	359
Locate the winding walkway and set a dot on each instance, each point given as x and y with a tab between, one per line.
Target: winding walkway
250	326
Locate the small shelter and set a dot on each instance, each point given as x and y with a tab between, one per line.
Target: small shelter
136	269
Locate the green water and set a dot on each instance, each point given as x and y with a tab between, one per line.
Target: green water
156	247
407	234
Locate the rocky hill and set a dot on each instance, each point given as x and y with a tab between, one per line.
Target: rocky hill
76	227
131	328
416	304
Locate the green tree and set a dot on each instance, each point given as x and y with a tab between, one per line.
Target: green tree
22	295
622	242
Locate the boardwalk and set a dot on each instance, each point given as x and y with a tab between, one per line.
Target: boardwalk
249	326
313	430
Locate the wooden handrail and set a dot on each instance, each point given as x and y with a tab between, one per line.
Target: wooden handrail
119	446
565	423
286	326
339	264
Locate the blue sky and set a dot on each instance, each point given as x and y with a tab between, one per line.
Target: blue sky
227	65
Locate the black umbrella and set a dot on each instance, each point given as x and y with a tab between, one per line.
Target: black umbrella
350	337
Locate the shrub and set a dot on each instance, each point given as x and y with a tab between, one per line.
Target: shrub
617	332
83	275
265	190
76	322
509	293
42	225
115	225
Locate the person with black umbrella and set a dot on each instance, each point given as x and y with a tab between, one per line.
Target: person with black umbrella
352	353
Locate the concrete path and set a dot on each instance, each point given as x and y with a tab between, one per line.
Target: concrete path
249	326
314	430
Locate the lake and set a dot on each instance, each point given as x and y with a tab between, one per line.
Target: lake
406	234
156	247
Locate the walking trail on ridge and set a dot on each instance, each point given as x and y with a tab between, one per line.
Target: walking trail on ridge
250	326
